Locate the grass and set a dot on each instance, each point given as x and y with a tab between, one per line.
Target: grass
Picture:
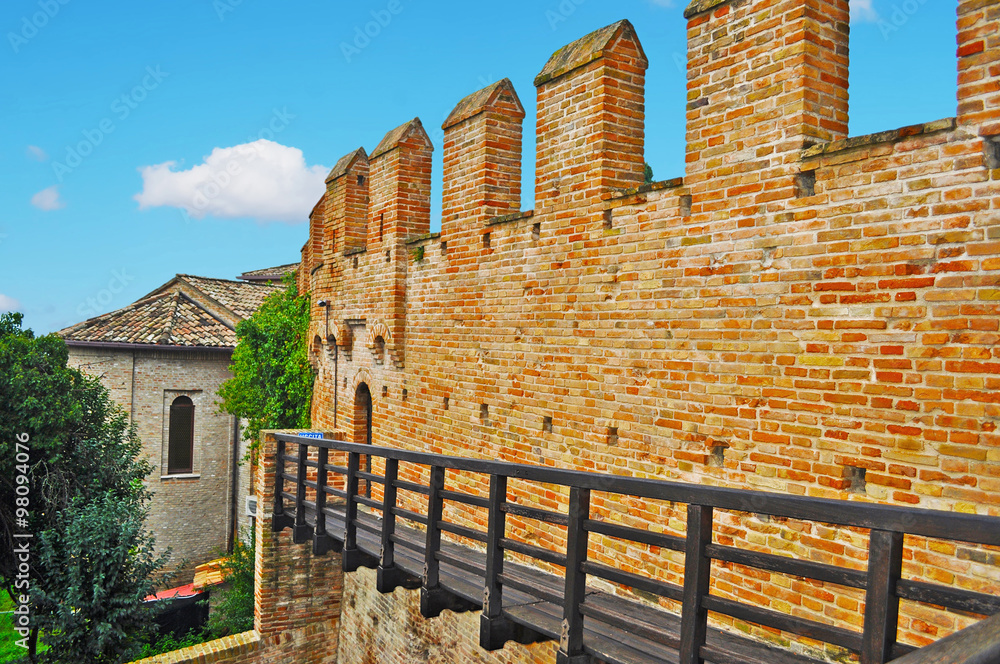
9	650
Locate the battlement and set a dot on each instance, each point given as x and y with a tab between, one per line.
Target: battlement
802	312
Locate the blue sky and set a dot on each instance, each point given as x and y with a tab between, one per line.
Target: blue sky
117	114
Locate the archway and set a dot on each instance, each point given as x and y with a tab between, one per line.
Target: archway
363	427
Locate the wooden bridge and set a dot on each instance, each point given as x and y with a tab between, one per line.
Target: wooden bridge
320	502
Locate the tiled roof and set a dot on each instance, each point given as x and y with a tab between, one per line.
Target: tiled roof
269	272
239	297
188	311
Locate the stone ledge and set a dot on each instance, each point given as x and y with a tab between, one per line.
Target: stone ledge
507	218
890	136
699	6
210	651
672	183
421	238
355	250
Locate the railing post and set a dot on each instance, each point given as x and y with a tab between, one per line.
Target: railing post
885	563
302	531
388	574
494	629
577	540
430	591
697	580
351	556
322	542
279	520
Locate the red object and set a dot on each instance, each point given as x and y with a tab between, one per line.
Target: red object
173	593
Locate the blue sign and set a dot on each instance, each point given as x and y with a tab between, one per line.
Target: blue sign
310	434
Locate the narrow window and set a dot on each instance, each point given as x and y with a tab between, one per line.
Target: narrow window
447	403
685	203
991	146
608	224
612	436
381	226
361	180
805	184
536	231
486	240
180	453
484	413
855	479
547	424
718	457
444	248
388	256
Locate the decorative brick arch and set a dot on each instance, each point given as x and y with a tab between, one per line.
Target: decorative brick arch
362	375
342	335
379	329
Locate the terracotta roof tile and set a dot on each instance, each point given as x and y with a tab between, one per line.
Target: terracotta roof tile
188	311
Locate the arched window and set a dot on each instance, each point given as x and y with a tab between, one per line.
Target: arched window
180	454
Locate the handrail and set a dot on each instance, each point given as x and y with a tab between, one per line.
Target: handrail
953	526
882	582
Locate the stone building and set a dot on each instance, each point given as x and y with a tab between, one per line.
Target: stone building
163	358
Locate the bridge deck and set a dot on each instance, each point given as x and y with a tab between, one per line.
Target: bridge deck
525	604
654	636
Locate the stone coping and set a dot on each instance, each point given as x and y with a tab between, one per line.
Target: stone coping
890	136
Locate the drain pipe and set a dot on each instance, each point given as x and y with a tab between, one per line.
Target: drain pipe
234	479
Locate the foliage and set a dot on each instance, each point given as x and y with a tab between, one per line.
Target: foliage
272	381
92	559
234	614
169	643
418	254
647	173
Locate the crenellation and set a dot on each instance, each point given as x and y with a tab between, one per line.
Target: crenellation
803	311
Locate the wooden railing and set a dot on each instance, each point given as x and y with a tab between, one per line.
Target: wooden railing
882	582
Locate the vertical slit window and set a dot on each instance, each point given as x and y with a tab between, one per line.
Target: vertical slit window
180	454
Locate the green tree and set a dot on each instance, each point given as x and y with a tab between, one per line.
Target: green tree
647	173
234	614
91	559
272	381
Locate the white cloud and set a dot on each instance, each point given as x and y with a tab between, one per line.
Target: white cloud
48	199
862	10
262	180
36	153
8	303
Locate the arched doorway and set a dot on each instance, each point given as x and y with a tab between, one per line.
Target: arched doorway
363	428
363	415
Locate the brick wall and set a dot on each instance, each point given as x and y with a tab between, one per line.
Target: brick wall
297	596
189	513
801	312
